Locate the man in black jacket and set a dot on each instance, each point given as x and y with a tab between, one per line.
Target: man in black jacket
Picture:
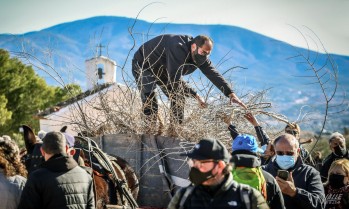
163	61
303	188
59	183
213	184
339	151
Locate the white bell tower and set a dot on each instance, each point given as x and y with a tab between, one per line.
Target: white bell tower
100	70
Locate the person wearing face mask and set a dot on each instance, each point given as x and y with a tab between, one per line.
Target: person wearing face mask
303	188
247	170
295	130
339	151
212	181
337	185
163	60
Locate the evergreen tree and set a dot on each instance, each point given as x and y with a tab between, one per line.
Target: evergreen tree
23	93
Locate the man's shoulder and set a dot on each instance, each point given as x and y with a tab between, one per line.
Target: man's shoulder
81	173
309	168
307	171
328	159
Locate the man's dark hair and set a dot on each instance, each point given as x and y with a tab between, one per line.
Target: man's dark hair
200	40
54	143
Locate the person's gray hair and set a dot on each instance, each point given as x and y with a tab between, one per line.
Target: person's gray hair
54	143
336	135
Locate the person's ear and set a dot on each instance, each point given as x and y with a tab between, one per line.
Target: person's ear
72	151
193	47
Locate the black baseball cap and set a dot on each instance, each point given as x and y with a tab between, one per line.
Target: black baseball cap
209	149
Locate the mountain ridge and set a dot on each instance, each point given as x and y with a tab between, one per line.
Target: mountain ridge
265	61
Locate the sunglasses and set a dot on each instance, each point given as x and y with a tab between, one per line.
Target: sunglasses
199	163
289	153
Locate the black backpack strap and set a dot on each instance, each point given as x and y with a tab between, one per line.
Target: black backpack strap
245	195
188	191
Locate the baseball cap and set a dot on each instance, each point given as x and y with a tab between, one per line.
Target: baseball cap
246	142
209	149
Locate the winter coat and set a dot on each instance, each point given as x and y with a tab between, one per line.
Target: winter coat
10	190
247	159
59	184
228	195
327	164
169	58
309	189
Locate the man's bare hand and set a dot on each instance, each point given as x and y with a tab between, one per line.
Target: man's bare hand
202	103
235	99
250	118
287	187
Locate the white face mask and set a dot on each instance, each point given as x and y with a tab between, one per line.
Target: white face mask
285	161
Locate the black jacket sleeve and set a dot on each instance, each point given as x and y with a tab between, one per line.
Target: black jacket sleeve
233	131
314	196
216	78
275	197
262	135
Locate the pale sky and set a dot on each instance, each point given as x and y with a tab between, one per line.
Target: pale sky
327	18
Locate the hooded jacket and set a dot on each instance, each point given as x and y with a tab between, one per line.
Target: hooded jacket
247	159
327	164
59	184
309	189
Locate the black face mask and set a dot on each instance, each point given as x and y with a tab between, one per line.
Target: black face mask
339	151
336	181
197	177
198	58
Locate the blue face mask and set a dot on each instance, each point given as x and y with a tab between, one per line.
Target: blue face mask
285	161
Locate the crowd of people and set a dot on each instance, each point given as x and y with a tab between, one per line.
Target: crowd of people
248	177
259	172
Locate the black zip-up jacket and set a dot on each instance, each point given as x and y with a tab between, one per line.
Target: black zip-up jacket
310	191
169	58
228	195
59	184
244	158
